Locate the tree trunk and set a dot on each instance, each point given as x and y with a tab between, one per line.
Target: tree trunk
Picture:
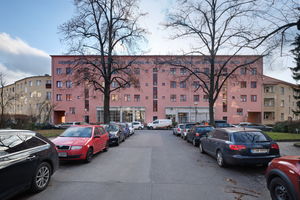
211	111
106	104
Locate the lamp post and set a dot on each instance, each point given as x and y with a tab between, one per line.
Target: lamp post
195	111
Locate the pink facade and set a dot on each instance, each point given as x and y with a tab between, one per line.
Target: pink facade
240	99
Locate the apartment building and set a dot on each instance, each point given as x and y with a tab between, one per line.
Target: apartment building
278	100
161	92
29	96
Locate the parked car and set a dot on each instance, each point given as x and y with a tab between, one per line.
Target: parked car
242	124
126	128
239	146
46	126
27	161
282	177
177	129
66	125
185	129
160	124
116	133
80	142
196	132
138	125
131	129
259	126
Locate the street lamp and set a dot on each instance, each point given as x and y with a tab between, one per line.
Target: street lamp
196	111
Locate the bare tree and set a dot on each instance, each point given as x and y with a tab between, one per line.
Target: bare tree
232	28
104	28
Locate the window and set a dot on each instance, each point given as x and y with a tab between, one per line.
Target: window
155	93
206	71
224	71
87	105
59	97
127	97
154	105
72	110
282	103
243	84
136	70
68	97
39	94
59	71
205	98
282	90
114	97
38	82
253	84
137	84
48	82
30	83
114	84
163	84
38	106
68	70
154	69
25	89
48	95
69	84
173	84
243	71
196	97
239	111
268	89
127	85
59	84
253	98
196	84
253	71
173	97
243	98
21	85
183	84
173	71
182	71
183	97
136	97
282	116
196	71
30	94
127	71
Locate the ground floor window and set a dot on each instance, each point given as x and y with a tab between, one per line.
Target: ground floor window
122	114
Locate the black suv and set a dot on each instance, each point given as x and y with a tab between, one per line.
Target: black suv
27	161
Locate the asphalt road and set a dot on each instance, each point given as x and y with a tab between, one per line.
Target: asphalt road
153	165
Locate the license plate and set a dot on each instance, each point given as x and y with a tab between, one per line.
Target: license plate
62	154
259	150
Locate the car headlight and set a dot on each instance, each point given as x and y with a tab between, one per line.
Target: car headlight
76	147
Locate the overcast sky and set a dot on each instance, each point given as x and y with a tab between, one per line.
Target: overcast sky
28	36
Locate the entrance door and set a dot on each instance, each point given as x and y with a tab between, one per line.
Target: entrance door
87	119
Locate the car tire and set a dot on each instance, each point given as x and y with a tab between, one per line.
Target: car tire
106	146
89	155
151	128
220	159
41	177
194	143
201	148
118	142
140	128
184	137
279	188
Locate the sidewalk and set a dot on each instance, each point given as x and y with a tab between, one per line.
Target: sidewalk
288	148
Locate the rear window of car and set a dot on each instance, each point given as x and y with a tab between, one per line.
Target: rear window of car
204	129
181	126
189	125
111	128
250	137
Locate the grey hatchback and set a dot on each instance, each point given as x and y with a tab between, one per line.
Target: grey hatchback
27	161
239	146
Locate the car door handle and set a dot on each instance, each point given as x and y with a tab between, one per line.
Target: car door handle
30	158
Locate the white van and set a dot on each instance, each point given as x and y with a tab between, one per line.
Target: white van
160	124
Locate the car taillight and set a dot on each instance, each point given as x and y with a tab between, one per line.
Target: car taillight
197	134
236	147
178	129
56	148
184	130
274	146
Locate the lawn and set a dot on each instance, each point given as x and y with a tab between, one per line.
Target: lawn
50	133
283	136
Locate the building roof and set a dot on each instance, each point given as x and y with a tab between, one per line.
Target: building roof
273	81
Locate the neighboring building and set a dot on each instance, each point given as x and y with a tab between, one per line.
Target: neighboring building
29	96
161	95
278	100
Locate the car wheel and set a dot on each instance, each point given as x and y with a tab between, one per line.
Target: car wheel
194	143
118	142
106	146
151	128
220	159
89	155
279	189
184	137
41	177
140	128
201	148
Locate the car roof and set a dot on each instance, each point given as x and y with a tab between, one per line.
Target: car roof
203	126
238	129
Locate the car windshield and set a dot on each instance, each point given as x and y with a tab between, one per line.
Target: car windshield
111	128
189	125
250	137
77	132
204	129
